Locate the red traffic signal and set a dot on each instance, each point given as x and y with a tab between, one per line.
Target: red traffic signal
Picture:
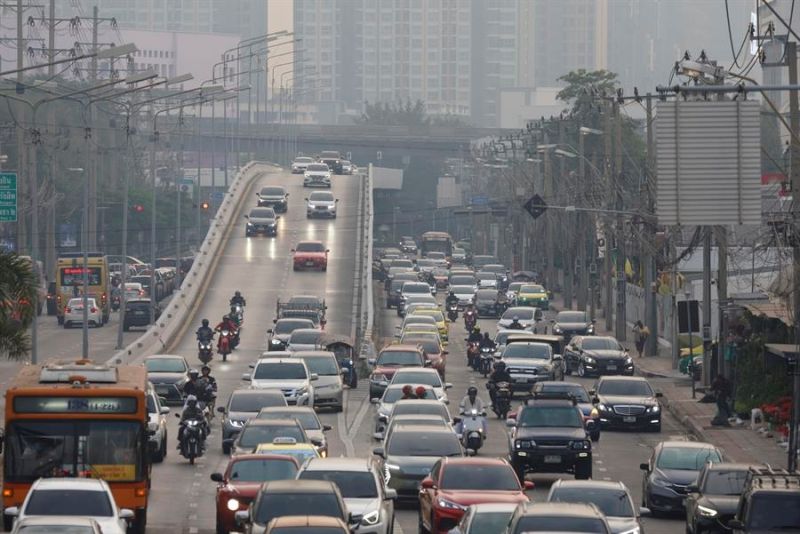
138	208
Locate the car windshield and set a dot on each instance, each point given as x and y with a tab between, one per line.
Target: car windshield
262	470
351	484
411	377
774	512
600	343
531	289
253	435
305	337
431	444
272	191
479	477
322	365
392	395
576	391
310	247
318	196
462	280
165	365
550	416
420	408
399	358
462	290
514	286
317	167
611	501
416	287
486	294
538	351
686	458
585	525
91	503
253	403
429	345
74	303
486	276
625	388
437	315
307	420
490	521
523	314
718	482
273	505
571	317
303	159
419	319
262	213
287	326
60	528
280	371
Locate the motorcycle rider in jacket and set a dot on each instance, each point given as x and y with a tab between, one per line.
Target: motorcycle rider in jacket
237	298
470	402
500	374
486	341
475	335
451	299
204	333
192	411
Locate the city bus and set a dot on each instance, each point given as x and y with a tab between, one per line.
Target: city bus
69	281
436	242
78	419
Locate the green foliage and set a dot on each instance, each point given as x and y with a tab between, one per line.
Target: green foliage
17	293
579	88
410	114
756	382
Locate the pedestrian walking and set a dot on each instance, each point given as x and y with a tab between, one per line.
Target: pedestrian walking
721	387
640	335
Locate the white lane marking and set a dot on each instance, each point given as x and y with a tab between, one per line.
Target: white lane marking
341	427
602	469
193	530
397	528
598	461
362	412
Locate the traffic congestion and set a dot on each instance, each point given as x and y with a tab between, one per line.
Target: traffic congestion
483	409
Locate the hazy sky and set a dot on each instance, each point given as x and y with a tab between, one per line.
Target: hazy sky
279	15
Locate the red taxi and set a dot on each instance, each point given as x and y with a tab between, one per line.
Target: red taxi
310	255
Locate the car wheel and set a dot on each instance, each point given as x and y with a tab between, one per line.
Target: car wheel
60	320
595	436
158	456
581	370
567	368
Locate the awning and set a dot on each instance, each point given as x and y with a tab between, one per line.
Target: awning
772	310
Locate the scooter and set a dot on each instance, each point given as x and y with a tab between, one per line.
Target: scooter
473	351
205	350
486	361
237	314
116	302
469	320
452	312
193	439
225	345
472	424
502	398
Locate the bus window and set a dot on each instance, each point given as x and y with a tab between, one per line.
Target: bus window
72	276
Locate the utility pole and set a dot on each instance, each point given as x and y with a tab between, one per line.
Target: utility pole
608	304
621	325
550	252
707	307
648	259
568	245
794	115
51	39
583	230
50	205
722	295
92	168
22	237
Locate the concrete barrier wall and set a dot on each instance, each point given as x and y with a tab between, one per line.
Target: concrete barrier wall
172	323
367	349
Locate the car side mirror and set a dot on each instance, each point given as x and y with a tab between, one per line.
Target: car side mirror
375	401
126	514
644	467
327	428
595	400
445	352
659	394
269	331
178	415
337	200
448	385
217	477
456	420
12	511
643	511
246	377
427	483
383	418
313	377
164	410
327	250
378	451
510	423
306	198
277	217
246	216
372	361
528	485
221	409
391	494
591	425
592	392
692	488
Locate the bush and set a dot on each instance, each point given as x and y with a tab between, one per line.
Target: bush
756	383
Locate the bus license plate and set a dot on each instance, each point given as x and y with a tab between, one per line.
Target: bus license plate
629	419
552	459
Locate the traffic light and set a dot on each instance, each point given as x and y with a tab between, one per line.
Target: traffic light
204	205
138	208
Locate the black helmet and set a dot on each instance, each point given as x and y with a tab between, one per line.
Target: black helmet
205	322
238	293
500	366
486	335
472	391
193	373
205	368
452	293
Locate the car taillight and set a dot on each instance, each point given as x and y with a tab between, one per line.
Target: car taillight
141	292
103	297
93	309
68	309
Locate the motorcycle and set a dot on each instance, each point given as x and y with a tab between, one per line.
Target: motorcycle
469	320
205	350
452	312
225	343
235	338
472	424
237	314
502	398
486	361
116	302
472	354
193	438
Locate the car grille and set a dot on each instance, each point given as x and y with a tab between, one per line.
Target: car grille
628	409
288	392
606	363
521	371
320	208
552	443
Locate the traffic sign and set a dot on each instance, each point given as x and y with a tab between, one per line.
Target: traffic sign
217	196
8	197
535	206
479	201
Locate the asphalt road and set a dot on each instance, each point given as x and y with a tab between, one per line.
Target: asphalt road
182	498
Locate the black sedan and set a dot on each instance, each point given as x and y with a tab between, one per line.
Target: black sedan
275	197
627	402
573	323
168	374
672	468
713	499
487	302
596	356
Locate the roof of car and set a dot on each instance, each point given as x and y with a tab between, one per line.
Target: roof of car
416	370
164	357
270	360
85	484
272	422
302	521
298	486
287	409
474	460
401	347
263	456
600	484
623	378
571	509
139	300
339	464
730	466
312	354
257	392
415	418
420	429
549	402
687	444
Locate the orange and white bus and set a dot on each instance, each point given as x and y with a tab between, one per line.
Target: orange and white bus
78	419
436	242
69	281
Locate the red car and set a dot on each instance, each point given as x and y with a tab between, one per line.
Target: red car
310	255
456	483
390	359
239	484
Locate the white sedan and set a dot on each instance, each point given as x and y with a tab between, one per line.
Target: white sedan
73	313
84	497
317	175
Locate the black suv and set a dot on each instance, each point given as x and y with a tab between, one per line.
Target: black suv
714	497
770	502
550	436
137	313
570	323
332	159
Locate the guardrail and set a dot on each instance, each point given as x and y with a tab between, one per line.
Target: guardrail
172	322
367	308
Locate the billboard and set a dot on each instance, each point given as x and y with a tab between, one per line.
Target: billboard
709	162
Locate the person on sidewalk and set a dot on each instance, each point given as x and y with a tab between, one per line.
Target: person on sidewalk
721	388
640	335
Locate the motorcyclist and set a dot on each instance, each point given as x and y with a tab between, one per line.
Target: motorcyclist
237	298
470	402
475	335
192	388
206	375
487	342
451	299
500	374
408	393
191	411
204	333
420	392
515	324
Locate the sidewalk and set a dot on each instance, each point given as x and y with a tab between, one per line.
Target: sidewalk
740	443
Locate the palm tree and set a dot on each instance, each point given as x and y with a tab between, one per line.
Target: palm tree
17	295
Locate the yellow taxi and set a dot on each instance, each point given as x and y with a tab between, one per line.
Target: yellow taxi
421	329
438	316
289	447
533	295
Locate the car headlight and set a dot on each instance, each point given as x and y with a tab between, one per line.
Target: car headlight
379	378
236	423
634	530
705	511
302	390
371	518
152	426
525	444
249	224
590	330
275	341
628	360
581	445
557	329
588	359
392	467
233	504
450	505
653	409
603	408
312	207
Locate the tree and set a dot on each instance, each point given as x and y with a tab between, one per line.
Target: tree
582	86
17	294
396	114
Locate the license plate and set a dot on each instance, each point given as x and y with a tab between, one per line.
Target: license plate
552	459
611	367
309	263
139	312
629	419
